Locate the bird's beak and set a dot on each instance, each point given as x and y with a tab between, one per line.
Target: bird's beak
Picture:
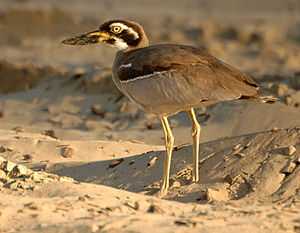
87	38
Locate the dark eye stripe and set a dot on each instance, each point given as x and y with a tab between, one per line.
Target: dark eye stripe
129	38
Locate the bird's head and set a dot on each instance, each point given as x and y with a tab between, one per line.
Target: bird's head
121	34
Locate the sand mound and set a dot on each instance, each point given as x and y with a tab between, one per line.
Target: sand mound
231	169
260	168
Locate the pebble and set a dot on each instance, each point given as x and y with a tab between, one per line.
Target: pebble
237	147
18	129
154	208
2	149
152	162
27	157
115	163
133	205
8	166
290	150
67	152
275	129
240	154
19	171
289	168
98	110
50	133
218	192
176	184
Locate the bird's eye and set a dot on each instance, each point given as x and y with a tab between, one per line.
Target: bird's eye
116	29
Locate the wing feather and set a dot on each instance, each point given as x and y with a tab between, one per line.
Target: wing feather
200	73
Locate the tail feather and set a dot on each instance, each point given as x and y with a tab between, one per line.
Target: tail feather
268	99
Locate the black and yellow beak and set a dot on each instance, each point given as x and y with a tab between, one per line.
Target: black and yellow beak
88	38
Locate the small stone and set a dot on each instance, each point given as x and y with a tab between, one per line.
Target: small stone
237	147
176	184
97	110
50	133
240	154
23	170
66	179
31	206
2	149
78	73
291	150
149	125
67	152
81	198
131	162
14	173
115	163
218	192
182	222
289	168
37	177
27	157
133	205
152	162
153	208
18	129
9	166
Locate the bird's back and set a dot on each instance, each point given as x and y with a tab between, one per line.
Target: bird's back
170	78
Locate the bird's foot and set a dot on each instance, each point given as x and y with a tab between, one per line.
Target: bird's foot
162	192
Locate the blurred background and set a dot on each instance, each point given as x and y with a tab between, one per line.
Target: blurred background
67	92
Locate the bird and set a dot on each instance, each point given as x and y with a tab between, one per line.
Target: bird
165	79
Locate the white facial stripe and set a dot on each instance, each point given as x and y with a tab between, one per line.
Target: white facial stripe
125	27
120	44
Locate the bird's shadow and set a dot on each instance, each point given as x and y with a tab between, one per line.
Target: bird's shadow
142	173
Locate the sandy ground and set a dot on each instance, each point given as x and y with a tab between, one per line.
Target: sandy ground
76	156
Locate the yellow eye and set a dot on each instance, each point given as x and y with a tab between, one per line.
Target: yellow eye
116	29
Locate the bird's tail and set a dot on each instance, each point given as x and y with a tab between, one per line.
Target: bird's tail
268	99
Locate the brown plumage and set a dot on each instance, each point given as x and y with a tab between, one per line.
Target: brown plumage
180	77
168	78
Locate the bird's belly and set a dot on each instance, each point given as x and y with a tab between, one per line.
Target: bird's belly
160	94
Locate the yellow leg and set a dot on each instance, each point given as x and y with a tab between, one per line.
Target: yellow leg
196	141
169	139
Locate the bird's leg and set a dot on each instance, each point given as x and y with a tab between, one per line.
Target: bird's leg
169	139
196	141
